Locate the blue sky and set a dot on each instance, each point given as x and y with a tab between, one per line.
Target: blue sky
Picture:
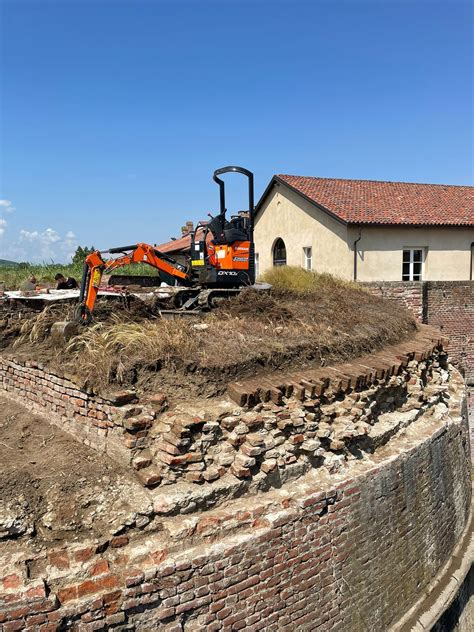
115	114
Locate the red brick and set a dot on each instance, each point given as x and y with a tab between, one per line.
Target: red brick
82	555
88	587
12	626
102	566
119	541
36	619
37	592
67	594
12	581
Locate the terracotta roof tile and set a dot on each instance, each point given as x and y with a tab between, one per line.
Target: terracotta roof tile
376	202
182	244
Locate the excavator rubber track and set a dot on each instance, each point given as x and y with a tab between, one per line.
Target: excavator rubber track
190	302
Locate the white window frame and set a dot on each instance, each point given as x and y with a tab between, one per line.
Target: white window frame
308	257
411	250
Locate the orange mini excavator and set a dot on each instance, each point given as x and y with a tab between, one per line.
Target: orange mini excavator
220	263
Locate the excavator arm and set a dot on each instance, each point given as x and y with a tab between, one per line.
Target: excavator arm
95	267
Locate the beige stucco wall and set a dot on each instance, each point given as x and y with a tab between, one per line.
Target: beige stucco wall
447	252
299	223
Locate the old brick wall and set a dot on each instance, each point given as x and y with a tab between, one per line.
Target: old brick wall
347	546
349	552
448	305
409	294
10	309
283	424
470	404
80	412
12	316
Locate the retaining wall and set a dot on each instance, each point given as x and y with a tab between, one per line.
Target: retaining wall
448	305
327	499
12	316
349	552
269	430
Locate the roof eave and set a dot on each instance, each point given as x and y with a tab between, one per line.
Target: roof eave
279	181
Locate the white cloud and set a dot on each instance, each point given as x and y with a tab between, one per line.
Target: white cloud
6	206
35	245
70	239
46	245
47	237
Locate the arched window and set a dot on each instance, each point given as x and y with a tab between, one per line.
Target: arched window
279	253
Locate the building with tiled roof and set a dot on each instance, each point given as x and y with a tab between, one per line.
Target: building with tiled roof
367	230
179	245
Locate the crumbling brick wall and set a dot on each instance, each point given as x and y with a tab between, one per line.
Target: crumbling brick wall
409	294
93	419
448	305
267	432
350	553
11	308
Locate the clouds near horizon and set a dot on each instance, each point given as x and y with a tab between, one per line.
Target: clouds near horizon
34	245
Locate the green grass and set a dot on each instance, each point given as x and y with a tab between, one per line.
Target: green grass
294	279
13	277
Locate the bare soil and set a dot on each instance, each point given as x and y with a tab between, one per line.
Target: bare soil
55	488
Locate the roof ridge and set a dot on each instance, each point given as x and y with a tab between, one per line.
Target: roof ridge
428	184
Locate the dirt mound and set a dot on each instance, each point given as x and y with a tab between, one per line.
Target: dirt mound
320	320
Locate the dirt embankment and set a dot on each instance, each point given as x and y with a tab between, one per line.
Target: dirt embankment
253	332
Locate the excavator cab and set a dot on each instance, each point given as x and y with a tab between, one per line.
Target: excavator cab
228	258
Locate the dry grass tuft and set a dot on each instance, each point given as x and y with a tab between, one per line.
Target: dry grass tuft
111	352
255	304
36	329
298	280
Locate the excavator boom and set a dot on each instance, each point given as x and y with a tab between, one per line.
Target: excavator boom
95	267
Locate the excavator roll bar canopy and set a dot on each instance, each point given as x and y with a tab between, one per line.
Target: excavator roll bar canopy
221	184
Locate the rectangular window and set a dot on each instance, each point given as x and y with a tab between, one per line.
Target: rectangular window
308	258
412	264
256	266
